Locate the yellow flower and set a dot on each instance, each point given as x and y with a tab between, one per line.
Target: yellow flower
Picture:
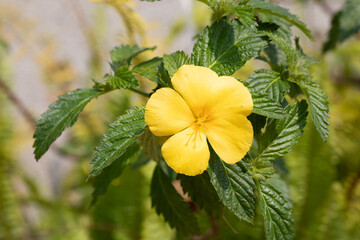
203	107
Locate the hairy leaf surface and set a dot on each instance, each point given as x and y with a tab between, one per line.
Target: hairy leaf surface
171	205
121	135
126	53
61	114
174	61
234	187
278	219
226	46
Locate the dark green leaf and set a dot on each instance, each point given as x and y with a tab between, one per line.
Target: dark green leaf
201	192
174	61
344	24
126	53
108	174
171	205
121	135
276	210
283	134
276	10
319	106
265	106
61	114
284	29
122	78
226	46
234	187
269	82
245	15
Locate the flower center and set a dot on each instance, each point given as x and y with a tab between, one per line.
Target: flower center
201	119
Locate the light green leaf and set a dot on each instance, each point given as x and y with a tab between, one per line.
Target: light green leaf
121	135
126	53
201	192
276	210
265	106
174	61
150	69
284	29
122	78
171	205
244	13
150	145
234	187
276	10
319	106
226	46
108	174
61	114
344	24
281	135
270	82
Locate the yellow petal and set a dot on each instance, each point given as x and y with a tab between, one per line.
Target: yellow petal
187	152
194	83
166	113
230	137
210	95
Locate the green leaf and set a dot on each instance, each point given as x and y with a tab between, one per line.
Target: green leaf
61	114
265	106
284	29
234	187
244	13
344	24
276	210
226	46
121	135
201	192
274	9
171	205
108	174
150	145
122	78
150	69
174	61
270	82
126	53
319	106
282	135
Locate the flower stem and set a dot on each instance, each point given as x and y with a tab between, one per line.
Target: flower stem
140	92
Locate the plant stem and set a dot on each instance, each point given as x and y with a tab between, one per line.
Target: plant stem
140	92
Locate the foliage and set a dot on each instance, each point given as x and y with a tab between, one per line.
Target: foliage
283	93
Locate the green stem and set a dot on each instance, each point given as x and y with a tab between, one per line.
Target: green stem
140	92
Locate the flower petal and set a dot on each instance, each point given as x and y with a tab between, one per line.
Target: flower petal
187	152
194	83
230	137
166	113
208	94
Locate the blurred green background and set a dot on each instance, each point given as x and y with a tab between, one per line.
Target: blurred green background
49	47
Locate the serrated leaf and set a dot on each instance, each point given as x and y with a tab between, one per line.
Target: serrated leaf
201	192
276	10
244	13
171	205
108	174
269	82
61	114
284	29
150	145
174	61
278	220
283	134
149	69
319	106
344	24
226	46
122	78
126	53
234	187
265	106
121	135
